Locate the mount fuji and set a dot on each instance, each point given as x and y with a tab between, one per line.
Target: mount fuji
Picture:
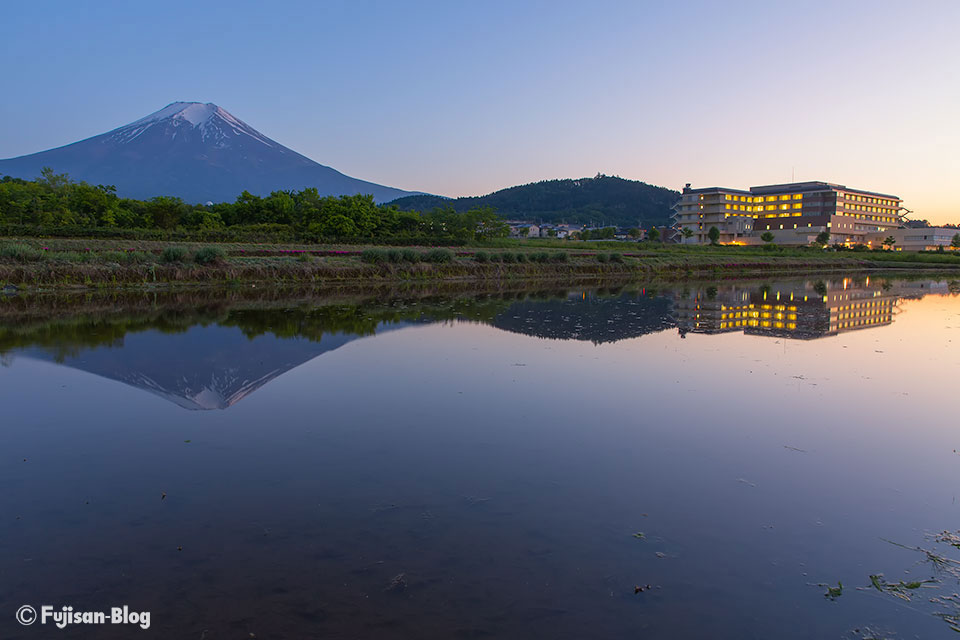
195	151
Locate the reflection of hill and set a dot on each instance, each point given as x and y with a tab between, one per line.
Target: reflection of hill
588	317
204	367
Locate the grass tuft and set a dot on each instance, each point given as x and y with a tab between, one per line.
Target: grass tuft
209	255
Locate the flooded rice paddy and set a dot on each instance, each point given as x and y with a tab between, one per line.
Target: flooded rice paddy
747	460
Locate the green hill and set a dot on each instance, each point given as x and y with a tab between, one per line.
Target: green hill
603	200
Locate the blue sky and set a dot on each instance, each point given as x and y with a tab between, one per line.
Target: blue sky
464	98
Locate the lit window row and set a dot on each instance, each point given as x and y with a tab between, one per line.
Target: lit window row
766	324
869	199
755	199
869	209
757	314
864	322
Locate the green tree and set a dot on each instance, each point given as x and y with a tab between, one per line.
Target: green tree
889	241
714	235
767	237
955	243
335	226
56	182
687	232
823	238
165	212
654	235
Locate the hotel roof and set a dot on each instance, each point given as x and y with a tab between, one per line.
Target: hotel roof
791	186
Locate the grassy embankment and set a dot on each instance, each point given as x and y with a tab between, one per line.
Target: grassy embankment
83	262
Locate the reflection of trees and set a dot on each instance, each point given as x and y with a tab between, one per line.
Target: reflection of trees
602	316
67	336
312	322
65	325
69	333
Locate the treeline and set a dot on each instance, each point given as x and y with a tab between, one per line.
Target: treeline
54	201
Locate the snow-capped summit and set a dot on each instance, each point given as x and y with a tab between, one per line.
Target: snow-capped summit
215	124
196	151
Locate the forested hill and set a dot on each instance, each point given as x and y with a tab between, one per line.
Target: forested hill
603	200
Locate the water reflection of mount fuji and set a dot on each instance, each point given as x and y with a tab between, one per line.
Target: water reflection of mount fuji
198	364
205	367
200	358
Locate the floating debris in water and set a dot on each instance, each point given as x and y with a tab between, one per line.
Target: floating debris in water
797	449
867	633
901	589
951	617
163	495
746	482
640	535
639	589
833	592
399	583
948	537
939	562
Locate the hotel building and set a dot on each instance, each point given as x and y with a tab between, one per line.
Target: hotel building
794	213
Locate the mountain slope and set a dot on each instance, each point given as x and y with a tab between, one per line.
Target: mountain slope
198	152
603	200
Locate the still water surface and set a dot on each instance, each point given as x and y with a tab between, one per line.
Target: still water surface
504	466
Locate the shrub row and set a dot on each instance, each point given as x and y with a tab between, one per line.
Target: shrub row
26	253
397	256
519	256
603	258
202	256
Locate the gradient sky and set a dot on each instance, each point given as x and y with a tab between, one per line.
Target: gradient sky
461	98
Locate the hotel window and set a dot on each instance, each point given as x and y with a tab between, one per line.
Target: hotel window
797	196
797	205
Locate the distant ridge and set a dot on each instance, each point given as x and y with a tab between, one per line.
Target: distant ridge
601	200
195	151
